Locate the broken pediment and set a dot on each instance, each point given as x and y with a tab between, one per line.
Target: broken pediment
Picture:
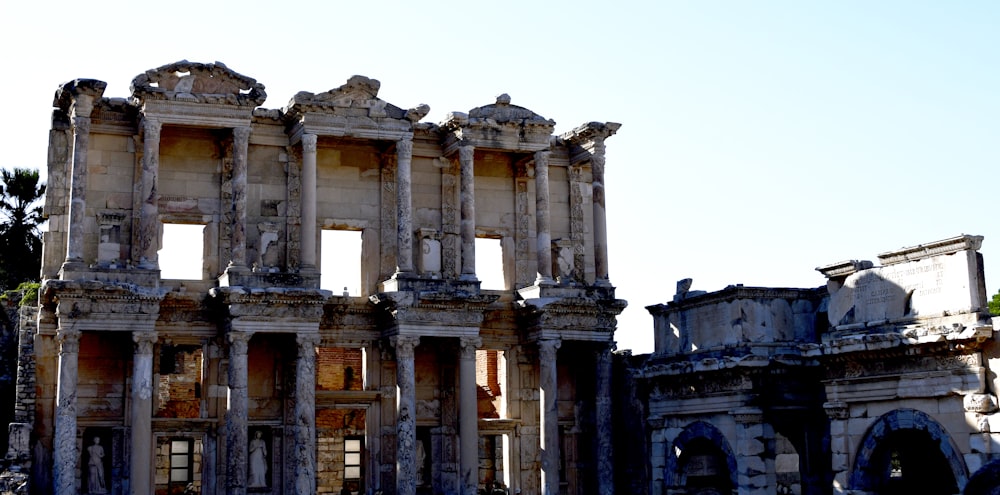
500	126
196	82
358	93
353	110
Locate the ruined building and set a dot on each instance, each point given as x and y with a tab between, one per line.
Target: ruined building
251	376
254	375
882	382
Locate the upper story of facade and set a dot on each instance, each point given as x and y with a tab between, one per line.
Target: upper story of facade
192	145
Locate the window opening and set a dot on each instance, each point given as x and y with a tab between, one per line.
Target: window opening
182	252
489	263
340	262
181	460
352	462
491	383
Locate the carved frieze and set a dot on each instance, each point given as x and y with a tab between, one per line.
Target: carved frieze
94	305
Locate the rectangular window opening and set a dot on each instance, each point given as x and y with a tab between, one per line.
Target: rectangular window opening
353	454
182	252
181	460
491	380
489	263
340	262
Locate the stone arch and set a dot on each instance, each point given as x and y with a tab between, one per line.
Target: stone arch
986	481
872	462
693	434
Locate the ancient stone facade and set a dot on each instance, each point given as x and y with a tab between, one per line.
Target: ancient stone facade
882	382
253	378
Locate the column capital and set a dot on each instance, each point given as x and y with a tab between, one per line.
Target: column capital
547	349
542	158
241	133
144	342
404	147
69	340
238	341
307	340
151	128
469	346
309	143
465	153
404	345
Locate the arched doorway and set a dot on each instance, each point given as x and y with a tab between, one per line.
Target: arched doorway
701	462
906	451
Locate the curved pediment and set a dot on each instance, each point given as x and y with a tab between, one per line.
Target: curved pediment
196	82
501	126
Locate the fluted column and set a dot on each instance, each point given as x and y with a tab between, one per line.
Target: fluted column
149	195
600	215
549	384
406	420
236	415
468	415
241	143
404	207
543	234
467	183
605	465
305	413
82	108
308	241
140	457
64	453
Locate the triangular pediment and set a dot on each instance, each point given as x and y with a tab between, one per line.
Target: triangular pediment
357	97
197	82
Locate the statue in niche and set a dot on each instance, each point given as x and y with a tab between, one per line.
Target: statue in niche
421	461
95	468
257	476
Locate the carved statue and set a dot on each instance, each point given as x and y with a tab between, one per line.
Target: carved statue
258	462
95	468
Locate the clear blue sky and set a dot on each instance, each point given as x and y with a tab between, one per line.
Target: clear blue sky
759	140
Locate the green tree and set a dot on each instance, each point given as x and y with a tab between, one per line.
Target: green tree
994	305
20	239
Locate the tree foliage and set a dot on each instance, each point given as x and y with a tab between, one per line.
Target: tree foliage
20	219
994	305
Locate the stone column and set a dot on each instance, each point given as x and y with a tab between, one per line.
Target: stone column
544	236
605	464
236	415
241	143
404	208
140	458
468	416
83	105
468	193
308	241
600	216
149	229
549	384
64	452
406	415
305	413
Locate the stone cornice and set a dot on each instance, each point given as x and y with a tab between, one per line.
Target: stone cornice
271	304
98	306
732	293
938	248
583	142
71	91
200	83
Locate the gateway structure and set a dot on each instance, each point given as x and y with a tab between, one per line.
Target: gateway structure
252	376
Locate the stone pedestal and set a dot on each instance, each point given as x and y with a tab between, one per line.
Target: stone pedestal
140	461
236	415
468	415
406	415
549	384
64	449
